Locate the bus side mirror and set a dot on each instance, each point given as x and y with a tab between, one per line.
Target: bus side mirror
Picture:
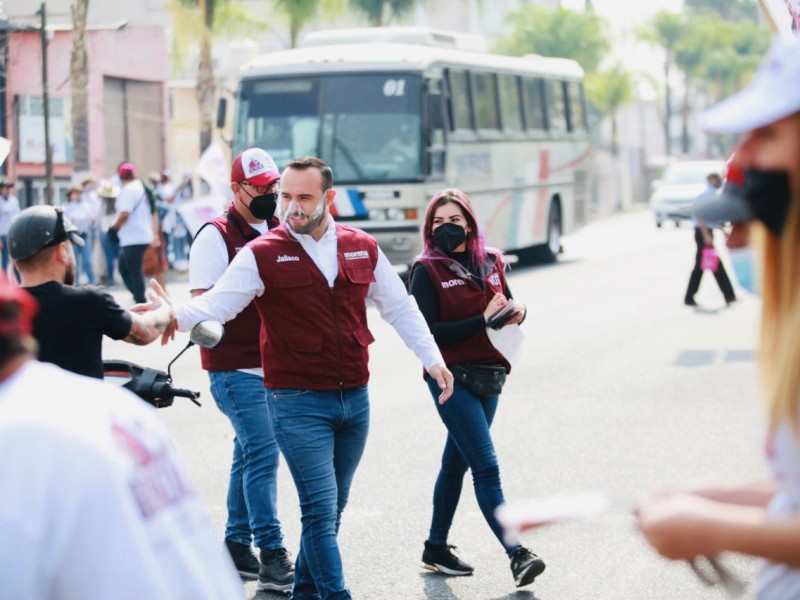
435	112
222	109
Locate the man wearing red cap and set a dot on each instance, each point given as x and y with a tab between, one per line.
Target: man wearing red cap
136	225
96	502
237	378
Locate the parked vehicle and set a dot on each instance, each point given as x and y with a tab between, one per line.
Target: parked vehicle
681	183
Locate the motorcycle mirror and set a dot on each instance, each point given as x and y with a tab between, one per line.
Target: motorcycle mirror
207	334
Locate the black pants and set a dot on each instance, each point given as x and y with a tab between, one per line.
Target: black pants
130	267
697	273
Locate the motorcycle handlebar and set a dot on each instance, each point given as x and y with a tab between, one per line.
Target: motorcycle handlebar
184	393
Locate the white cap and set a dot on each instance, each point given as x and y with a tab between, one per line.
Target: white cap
773	94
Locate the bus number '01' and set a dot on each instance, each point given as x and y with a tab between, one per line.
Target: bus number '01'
394	87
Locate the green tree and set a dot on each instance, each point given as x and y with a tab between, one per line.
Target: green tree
302	12
665	30
729	10
380	12
608	91
79	83
560	32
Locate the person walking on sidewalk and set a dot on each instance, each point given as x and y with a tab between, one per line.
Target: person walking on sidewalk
237	378
310	280
704	238
459	284
137	227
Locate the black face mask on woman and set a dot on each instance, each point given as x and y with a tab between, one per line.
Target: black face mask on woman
769	196
263	206
449	236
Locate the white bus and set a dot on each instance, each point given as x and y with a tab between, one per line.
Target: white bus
401	113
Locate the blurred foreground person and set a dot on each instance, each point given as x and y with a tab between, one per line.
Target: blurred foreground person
761	519
459	285
96	503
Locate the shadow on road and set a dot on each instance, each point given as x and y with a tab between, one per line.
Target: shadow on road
436	587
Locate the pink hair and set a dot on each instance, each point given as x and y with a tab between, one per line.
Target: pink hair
476	241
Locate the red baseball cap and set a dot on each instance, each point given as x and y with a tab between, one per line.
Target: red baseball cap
126	171
254	166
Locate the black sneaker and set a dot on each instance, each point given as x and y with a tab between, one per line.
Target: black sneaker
439	558
525	566
243	559
277	571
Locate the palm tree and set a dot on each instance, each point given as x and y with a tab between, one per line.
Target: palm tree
301	12
665	30
374	10
79	82
608	91
201	21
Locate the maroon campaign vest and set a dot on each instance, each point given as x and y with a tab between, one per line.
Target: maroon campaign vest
461	298
241	346
316	336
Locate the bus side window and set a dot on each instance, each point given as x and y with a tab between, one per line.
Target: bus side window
577	111
556	106
486	106
510	104
534	104
460	102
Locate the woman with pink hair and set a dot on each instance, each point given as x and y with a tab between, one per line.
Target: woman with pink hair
460	287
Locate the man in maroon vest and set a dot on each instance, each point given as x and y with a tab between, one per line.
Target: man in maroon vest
237	379
310	279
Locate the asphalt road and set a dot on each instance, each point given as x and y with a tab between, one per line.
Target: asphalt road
621	389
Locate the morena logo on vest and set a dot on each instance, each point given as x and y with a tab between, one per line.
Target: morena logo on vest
287	258
453	283
356	255
494	279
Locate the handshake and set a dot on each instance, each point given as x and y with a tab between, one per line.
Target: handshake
500	318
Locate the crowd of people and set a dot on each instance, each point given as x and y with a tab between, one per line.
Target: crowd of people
292	376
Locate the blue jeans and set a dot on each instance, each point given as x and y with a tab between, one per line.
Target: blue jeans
469	445
5	255
110	252
253	484
130	268
83	259
322	436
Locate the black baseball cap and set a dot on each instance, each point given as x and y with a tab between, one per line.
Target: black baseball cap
40	227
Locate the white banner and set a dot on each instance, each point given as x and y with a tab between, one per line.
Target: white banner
784	15
198	211
214	169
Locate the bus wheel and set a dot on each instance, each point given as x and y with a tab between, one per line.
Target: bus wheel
549	251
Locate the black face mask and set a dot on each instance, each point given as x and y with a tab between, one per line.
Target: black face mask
449	236
768	195
263	206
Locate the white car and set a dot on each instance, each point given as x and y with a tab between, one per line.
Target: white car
681	183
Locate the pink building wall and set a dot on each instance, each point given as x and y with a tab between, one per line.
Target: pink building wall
138	53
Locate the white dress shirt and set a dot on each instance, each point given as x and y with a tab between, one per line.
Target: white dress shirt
241	283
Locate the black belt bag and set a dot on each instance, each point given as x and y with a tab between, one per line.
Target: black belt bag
481	380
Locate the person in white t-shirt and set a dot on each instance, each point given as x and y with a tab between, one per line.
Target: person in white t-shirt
96	502
9	208
81	215
136	224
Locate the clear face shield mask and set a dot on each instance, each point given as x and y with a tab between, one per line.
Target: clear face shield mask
299	221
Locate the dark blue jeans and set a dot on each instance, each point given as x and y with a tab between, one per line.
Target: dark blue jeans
130	267
469	445
253	483
322	437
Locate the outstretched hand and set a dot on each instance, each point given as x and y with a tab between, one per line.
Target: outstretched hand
444	378
158	298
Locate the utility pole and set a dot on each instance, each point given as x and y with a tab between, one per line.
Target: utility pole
48	155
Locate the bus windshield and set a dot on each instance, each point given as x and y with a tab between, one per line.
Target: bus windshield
366	127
